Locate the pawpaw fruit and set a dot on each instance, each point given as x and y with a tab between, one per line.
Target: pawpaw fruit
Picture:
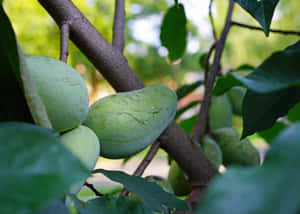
128	122
236	96
220	112
212	151
84	144
235	151
62	90
179	180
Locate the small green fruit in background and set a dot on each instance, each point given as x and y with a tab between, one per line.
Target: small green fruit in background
212	150
128	122
179	180
84	144
62	90
236	151
220	112
236	96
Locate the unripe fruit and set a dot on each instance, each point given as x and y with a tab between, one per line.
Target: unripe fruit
84	144
62	90
212	150
179	180
236	151
236	96
220	112
128	122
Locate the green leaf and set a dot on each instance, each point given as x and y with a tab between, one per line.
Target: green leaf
188	88
225	83
294	113
56	207
279	71
110	204
14	108
152	195
188	124
271	188
35	168
184	109
270	134
260	111
262	11
173	33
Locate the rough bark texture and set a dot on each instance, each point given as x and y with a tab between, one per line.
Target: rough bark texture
114	67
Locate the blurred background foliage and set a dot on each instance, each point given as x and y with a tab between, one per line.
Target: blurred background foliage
38	34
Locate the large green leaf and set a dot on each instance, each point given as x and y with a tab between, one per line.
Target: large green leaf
271	188
13	107
152	195
279	71
110	204
262	11
35	168
260	111
174	31
270	134
55	207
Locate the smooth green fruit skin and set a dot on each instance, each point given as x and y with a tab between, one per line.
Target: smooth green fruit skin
236	96
178	180
84	144
220	112
62	90
212	150
128	122
236	151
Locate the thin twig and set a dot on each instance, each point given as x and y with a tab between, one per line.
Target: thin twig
91	186
206	65
119	24
64	42
286	32
145	162
211	19
200	124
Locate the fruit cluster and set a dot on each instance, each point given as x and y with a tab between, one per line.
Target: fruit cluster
223	145
116	126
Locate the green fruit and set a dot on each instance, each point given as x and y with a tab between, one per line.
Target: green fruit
61	89
179	180
84	144
128	122
236	151
236	96
212	150
220	112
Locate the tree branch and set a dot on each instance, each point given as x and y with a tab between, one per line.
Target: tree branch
119	24
114	67
251	27
211	19
200	124
64	42
145	162
91	187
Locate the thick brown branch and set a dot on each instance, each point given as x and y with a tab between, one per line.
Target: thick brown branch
200	124
211	19
64	42
119	24
114	67
145	162
207	65
251	27
91	187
